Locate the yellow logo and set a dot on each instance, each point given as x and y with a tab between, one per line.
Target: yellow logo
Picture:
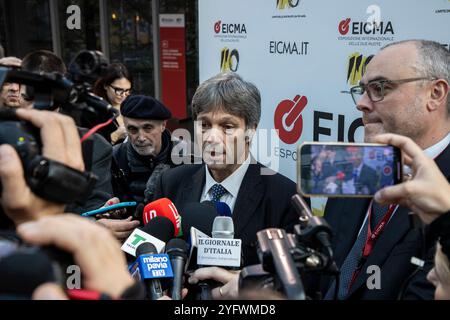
356	67
229	60
283	4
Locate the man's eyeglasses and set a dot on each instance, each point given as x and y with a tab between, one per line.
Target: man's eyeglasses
120	91
377	89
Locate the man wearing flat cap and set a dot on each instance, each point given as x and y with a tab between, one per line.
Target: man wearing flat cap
146	153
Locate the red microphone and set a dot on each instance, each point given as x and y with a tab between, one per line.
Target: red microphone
163	208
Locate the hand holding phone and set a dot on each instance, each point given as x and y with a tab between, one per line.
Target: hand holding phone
107	211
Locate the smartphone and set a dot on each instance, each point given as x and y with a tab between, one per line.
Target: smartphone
347	169
108	209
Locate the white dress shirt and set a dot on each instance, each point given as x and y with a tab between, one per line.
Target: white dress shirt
232	184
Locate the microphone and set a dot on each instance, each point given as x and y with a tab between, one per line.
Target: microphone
152	267
223	227
222	250
222	209
163	208
158	232
177	249
275	256
197	222
198	215
312	229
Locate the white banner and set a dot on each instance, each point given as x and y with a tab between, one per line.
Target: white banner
302	54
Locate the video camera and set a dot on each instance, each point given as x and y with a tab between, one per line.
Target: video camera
286	258
46	178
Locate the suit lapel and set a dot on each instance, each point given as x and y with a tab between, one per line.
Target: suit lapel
192	191
394	232
349	221
249	196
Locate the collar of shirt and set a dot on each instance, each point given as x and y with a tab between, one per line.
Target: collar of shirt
437	149
231	183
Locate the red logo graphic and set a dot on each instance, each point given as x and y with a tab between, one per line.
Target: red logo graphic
217	26
288	119
344	26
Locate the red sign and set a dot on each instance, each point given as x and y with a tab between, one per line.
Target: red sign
173	63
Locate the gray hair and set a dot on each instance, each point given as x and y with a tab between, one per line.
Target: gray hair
433	62
230	93
2	52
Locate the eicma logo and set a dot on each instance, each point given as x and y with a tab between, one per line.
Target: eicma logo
365	27
288	119
227	28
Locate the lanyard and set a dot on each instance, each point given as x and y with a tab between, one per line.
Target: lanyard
372	237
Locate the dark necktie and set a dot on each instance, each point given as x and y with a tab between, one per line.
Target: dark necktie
217	191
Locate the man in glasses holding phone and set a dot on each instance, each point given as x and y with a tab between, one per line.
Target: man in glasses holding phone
404	90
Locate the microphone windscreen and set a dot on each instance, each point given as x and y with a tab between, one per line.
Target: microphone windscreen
162	208
161	228
198	215
146	248
223	227
222	209
177	247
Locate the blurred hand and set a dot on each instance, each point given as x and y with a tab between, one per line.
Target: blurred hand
61	142
49	291
94	250
427	193
230	280
10	62
121	228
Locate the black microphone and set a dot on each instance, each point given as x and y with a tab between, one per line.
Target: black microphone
153	286
178	250
275	256
198	215
161	228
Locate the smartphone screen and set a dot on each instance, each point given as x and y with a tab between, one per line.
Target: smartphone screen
347	170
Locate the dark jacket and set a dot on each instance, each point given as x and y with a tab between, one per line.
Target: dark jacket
264	201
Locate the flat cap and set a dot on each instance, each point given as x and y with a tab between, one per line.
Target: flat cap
144	107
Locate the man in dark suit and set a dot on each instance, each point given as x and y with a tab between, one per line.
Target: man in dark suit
404	90
226	110
363	178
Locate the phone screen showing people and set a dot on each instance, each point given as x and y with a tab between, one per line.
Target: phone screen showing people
347	169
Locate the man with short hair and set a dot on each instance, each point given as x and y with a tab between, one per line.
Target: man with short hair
226	110
404	90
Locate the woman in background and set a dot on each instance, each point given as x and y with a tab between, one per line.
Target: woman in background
115	87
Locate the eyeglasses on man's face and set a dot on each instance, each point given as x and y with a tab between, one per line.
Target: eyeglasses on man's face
377	89
120	91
